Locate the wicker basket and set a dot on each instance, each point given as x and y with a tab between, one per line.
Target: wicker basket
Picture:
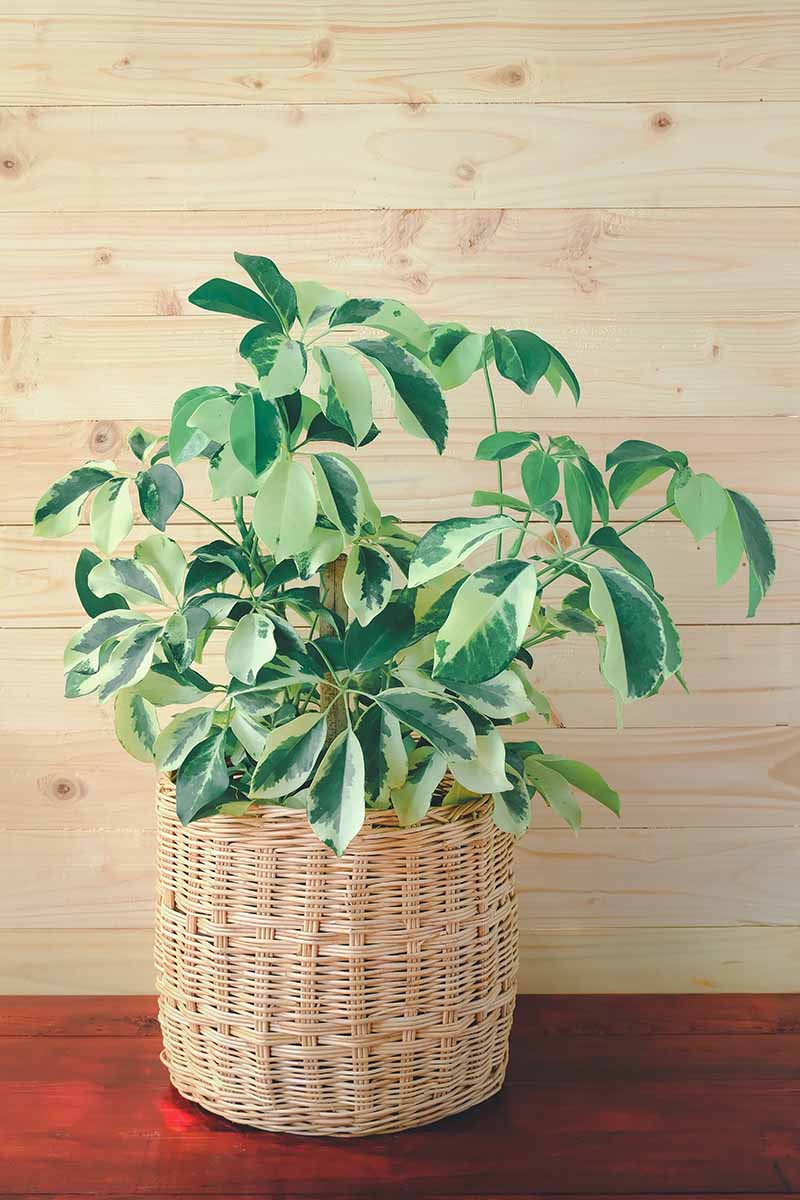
309	994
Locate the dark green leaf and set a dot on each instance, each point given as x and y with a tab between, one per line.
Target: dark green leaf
539	477
256	432
443	722
339	492
757	546
630	477
520	356
290	753
499	500
635	451
203	575
185	442
609	540
505	444
370	646
225	296
160	493
278	291
336	797
419	403
93	605
579	500
202	778
597	487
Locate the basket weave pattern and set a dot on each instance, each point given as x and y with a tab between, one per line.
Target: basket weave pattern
308	994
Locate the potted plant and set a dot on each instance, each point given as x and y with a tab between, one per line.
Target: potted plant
337	802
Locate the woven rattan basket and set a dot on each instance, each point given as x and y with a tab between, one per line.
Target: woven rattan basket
319	995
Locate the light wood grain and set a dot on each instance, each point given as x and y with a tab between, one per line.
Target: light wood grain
125	366
36	579
495	266
699	778
408	478
399	156
151	52
633	878
738	675
702	959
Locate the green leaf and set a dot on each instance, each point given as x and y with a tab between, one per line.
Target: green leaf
340	494
59	509
315	301
554	790
322	546
202	778
336	804
135	725
368	647
486	771
632	661
579	500
448	543
559	369
276	289
390	315
419	404
279	362
249	733
584	778
289	755
411	801
385	759
140	441
126	577
540	477
164	556
129	661
160	493
636	451
367	581
256	433
285	509
512	808
87	674
487	622
505	444
225	296
95	605
597	487
499	500
184	441
345	393
454	355
259	701
250	646
99	630
729	544
177	642
609	540
440	720
228	477
630	477
701	504
163	685
213	418
499	698
204	575
520	356
757	546
111	517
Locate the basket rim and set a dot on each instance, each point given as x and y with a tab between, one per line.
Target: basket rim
374	818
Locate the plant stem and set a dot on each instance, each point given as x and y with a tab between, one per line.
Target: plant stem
518	540
203	517
587	552
493	406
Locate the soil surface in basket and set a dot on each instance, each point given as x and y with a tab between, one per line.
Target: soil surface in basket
606	1096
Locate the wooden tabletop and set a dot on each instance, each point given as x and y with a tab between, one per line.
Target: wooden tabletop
606	1096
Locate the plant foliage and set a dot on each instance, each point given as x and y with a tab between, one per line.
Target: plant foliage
365	666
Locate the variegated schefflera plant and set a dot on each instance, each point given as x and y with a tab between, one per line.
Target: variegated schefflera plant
366	665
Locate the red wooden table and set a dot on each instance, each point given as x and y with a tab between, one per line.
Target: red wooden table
606	1096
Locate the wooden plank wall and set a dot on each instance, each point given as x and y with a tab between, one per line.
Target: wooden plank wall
622	176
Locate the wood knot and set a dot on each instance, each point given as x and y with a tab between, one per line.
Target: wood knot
122	63
102	256
167	303
11	166
715	351
20	385
418	281
105	436
61	789
322	51
466	171
514	75
661	120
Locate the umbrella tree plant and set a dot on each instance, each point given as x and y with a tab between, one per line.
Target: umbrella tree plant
364	664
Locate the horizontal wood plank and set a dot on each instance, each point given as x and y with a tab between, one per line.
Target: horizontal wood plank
37	589
61	367
647	155
699	959
409	479
604	877
734	778
598	269
144	52
738	676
